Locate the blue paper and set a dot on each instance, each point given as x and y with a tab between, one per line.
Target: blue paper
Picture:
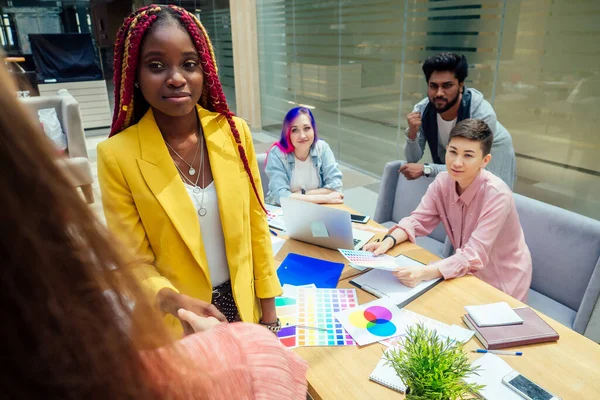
301	270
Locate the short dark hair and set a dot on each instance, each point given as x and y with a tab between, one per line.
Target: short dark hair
447	62
474	129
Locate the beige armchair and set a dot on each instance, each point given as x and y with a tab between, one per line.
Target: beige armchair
76	162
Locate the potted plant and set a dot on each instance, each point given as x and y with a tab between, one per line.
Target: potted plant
432	368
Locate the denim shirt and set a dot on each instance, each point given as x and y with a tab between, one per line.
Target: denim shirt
280	166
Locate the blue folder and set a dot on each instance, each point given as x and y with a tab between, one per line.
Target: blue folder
301	270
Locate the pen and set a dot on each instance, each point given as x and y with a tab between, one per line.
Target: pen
273	232
311	327
508	353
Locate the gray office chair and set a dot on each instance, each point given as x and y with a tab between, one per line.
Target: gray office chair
260	159
398	197
76	163
565	250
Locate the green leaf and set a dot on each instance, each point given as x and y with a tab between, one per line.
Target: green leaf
433	368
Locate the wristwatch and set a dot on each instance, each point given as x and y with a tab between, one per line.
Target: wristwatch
273	327
427	170
303	191
390	237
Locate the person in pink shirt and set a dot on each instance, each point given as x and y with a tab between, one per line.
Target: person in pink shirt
226	361
479	214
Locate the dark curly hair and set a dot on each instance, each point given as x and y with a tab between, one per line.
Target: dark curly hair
447	62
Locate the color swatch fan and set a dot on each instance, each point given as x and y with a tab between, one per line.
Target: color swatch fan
316	323
287	312
366	259
372	322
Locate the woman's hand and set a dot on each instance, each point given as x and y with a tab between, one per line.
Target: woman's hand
333	198
378	248
170	302
198	324
409	276
412	276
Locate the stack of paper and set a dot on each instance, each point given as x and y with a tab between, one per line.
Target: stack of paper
533	330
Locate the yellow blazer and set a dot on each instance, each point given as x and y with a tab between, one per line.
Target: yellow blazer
148	208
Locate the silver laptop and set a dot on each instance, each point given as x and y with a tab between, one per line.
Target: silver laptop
322	226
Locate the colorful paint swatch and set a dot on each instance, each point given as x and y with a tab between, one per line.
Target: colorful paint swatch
372	322
275	217
286	308
366	259
316	309
284	301
287	336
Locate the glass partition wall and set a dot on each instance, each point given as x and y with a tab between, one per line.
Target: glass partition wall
357	65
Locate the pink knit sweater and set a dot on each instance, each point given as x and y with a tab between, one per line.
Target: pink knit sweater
230	361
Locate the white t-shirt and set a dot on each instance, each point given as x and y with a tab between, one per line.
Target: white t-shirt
212	233
304	175
444	128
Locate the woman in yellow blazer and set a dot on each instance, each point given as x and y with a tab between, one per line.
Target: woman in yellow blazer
172	135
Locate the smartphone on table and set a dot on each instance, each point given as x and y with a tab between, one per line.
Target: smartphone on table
526	388
361	219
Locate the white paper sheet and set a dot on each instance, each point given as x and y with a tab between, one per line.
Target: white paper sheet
371	322
493	369
409	318
276	243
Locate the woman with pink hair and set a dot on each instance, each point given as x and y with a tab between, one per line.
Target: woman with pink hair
300	165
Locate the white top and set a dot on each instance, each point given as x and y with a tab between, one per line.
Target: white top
212	233
444	128
304	175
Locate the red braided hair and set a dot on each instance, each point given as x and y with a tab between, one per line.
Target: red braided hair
126	60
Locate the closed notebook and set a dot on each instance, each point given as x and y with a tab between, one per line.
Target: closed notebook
533	330
385	375
494	314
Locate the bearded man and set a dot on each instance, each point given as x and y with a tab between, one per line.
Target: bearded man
449	101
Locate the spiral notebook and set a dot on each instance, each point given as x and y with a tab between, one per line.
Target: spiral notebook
385	375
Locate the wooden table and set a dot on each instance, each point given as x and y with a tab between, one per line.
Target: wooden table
569	368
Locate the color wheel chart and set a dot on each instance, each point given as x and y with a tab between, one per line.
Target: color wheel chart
316	308
377	320
372	322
